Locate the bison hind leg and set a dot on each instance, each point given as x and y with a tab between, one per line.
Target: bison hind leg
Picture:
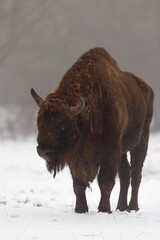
124	176
138	155
106	181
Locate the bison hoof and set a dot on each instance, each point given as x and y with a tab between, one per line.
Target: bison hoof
81	210
133	207
122	207
104	210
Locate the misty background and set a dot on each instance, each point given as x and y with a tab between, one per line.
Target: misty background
41	39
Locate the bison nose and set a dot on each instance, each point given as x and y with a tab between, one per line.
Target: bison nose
45	153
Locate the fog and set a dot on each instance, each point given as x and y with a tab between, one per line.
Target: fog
40	40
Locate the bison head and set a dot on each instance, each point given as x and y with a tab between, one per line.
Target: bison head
57	129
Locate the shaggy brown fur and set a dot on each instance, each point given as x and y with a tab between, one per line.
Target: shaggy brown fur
96	115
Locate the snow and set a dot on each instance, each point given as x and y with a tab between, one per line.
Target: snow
34	206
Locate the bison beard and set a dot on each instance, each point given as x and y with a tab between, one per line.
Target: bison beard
54	167
96	115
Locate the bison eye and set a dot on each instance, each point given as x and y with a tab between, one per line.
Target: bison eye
64	129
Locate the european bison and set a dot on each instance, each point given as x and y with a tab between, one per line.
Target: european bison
96	115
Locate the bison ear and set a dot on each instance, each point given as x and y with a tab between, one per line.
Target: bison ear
36	97
75	110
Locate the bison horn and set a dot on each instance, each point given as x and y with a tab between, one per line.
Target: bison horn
36	97
75	110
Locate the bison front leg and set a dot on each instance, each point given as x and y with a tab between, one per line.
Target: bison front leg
79	190
106	180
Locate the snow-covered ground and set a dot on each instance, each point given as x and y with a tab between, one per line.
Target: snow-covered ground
33	206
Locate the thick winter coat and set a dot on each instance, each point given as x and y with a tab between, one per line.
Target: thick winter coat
97	114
